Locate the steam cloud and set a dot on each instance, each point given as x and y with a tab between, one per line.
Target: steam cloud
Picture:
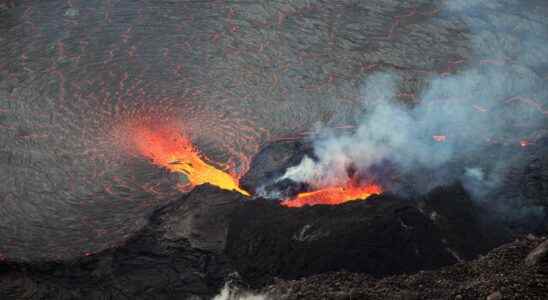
458	118
228	293
453	133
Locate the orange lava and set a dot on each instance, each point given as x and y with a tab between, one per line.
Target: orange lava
333	195
169	148
172	150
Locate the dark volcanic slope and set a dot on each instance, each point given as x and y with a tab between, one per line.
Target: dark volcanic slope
178	254
190	247
241	72
504	273
380	236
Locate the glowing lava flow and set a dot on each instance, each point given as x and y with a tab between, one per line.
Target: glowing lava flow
173	151
333	195
169	149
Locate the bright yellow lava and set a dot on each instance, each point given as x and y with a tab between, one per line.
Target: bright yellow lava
173	151
333	195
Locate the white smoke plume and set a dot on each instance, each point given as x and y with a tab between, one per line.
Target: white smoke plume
459	116
228	293
458	122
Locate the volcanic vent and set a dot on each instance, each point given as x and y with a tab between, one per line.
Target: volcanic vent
444	103
168	147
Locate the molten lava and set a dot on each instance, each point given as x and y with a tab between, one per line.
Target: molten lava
333	195
168	148
173	151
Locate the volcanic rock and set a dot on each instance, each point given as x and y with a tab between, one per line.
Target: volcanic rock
384	235
190	247
250	69
176	256
202	219
538	255
501	272
523	199
495	296
272	161
462	222
535	175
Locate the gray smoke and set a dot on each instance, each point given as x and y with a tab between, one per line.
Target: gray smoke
463	121
458	118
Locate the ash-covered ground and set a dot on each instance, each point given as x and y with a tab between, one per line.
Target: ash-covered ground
239	75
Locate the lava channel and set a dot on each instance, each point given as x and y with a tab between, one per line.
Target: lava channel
333	195
169	149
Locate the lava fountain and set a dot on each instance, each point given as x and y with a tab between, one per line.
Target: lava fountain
167	148
333	195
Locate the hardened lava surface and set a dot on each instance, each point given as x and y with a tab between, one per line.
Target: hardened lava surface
235	74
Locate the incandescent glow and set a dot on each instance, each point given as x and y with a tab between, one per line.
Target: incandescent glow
169	149
439	138
333	195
